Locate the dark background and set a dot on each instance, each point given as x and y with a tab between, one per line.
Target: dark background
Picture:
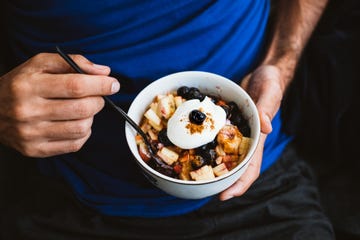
322	110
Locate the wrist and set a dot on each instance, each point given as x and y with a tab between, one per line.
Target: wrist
286	63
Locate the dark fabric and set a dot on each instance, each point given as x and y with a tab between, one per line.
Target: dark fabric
321	110
282	204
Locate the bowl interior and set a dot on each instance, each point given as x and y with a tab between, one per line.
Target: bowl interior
208	83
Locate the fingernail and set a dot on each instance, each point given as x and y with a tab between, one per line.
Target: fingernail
268	122
227	197
115	87
101	67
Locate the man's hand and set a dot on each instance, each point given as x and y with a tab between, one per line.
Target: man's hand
293	25
264	87
46	109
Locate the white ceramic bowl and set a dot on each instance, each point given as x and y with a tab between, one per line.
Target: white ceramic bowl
208	83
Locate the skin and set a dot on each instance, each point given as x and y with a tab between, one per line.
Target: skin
46	109
293	26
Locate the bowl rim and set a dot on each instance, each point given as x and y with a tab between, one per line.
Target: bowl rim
255	141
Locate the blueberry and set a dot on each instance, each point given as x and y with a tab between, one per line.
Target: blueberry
227	110
212	144
233	106
197	117
245	129
183	92
194	93
235	114
163	138
197	162
208	152
213	98
236	118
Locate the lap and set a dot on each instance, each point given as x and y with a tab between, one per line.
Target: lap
282	204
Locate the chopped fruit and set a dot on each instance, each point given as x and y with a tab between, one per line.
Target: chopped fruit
204	173
177	168
143	151
154	107
156	126
218	160
244	147
167	155
230	161
213	159
178	101
145	126
229	138
220	169
166	106
159	97
185	171
153	136
138	139
186	166
152	117
219	150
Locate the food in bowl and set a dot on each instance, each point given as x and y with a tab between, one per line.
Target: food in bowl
212	85
197	136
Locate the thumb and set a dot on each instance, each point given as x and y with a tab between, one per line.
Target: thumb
265	122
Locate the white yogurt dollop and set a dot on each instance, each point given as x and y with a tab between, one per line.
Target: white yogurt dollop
188	135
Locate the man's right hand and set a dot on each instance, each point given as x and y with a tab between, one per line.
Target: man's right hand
46	109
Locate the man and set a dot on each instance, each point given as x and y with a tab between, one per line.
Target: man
58	117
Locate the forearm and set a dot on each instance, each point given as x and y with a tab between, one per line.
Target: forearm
294	22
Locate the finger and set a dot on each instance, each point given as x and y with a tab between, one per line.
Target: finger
250	175
71	109
53	63
52	148
66	130
268	104
52	130
265	122
263	104
245	81
75	85
88	66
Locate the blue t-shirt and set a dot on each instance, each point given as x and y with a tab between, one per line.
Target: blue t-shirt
141	41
